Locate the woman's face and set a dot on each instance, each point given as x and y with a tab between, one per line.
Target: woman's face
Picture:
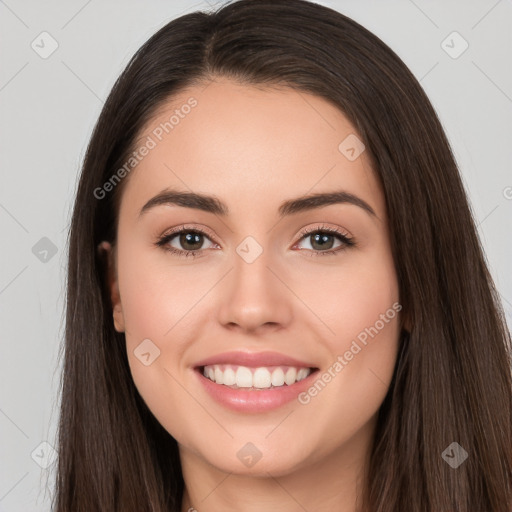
257	284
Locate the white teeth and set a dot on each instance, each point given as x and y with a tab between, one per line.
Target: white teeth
290	376
302	374
278	377
229	377
219	376
260	378
243	377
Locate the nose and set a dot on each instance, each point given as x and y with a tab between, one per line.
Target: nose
255	296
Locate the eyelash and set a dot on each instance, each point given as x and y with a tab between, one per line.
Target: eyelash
346	240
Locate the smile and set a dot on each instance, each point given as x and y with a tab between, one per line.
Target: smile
266	377
253	390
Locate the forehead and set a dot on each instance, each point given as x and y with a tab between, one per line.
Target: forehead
253	147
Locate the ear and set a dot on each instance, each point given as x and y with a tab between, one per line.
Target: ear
107	253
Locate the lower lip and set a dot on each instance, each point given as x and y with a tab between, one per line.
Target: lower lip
254	400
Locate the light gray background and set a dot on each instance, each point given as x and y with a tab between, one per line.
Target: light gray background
49	107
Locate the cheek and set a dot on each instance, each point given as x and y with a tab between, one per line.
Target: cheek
157	297
359	307
155	302
352	296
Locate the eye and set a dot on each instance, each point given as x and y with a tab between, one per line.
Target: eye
324	238
191	241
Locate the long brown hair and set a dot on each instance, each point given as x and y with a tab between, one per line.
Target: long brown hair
452	381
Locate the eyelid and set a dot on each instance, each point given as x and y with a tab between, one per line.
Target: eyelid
324	228
346	239
303	232
189	227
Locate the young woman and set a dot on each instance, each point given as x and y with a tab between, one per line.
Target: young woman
277	299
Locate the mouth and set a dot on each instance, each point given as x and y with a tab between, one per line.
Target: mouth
254	389
254	382
255	378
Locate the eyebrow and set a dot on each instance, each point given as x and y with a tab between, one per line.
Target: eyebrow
213	205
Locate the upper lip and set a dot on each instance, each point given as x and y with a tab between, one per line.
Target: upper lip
253	359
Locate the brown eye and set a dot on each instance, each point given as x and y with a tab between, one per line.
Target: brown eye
184	242
191	240
322	241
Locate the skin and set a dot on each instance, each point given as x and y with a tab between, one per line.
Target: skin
253	148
